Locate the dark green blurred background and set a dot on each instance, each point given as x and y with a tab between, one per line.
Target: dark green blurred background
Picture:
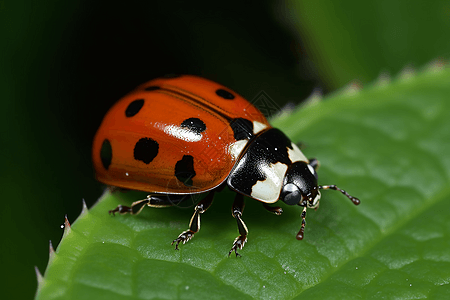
63	64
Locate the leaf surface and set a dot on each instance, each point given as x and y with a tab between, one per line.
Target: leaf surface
387	144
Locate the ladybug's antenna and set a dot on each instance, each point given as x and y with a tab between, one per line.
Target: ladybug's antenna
333	187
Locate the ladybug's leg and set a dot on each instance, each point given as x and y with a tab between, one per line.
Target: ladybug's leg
194	225
301	145
134	209
236	211
152	201
273	209
314	163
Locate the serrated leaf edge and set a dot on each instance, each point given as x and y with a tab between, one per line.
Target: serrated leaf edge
52	253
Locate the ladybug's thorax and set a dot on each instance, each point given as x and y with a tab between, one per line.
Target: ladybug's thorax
272	168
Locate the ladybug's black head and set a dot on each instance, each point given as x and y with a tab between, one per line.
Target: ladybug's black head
300	185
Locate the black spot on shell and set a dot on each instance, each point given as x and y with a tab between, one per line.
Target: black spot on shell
194	124
242	128
184	170
134	107
106	154
146	150
152	88
172	75
225	94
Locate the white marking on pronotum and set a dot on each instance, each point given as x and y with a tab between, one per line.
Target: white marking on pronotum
311	169
236	148
268	190
257	127
296	154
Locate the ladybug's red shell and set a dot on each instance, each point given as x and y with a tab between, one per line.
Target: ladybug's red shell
174	135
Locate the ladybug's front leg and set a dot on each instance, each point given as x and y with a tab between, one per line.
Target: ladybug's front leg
194	225
236	211
273	209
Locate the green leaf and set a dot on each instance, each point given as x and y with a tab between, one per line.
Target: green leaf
387	144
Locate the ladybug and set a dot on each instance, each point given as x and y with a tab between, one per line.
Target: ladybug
182	136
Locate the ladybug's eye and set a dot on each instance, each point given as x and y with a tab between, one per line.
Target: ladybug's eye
290	194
